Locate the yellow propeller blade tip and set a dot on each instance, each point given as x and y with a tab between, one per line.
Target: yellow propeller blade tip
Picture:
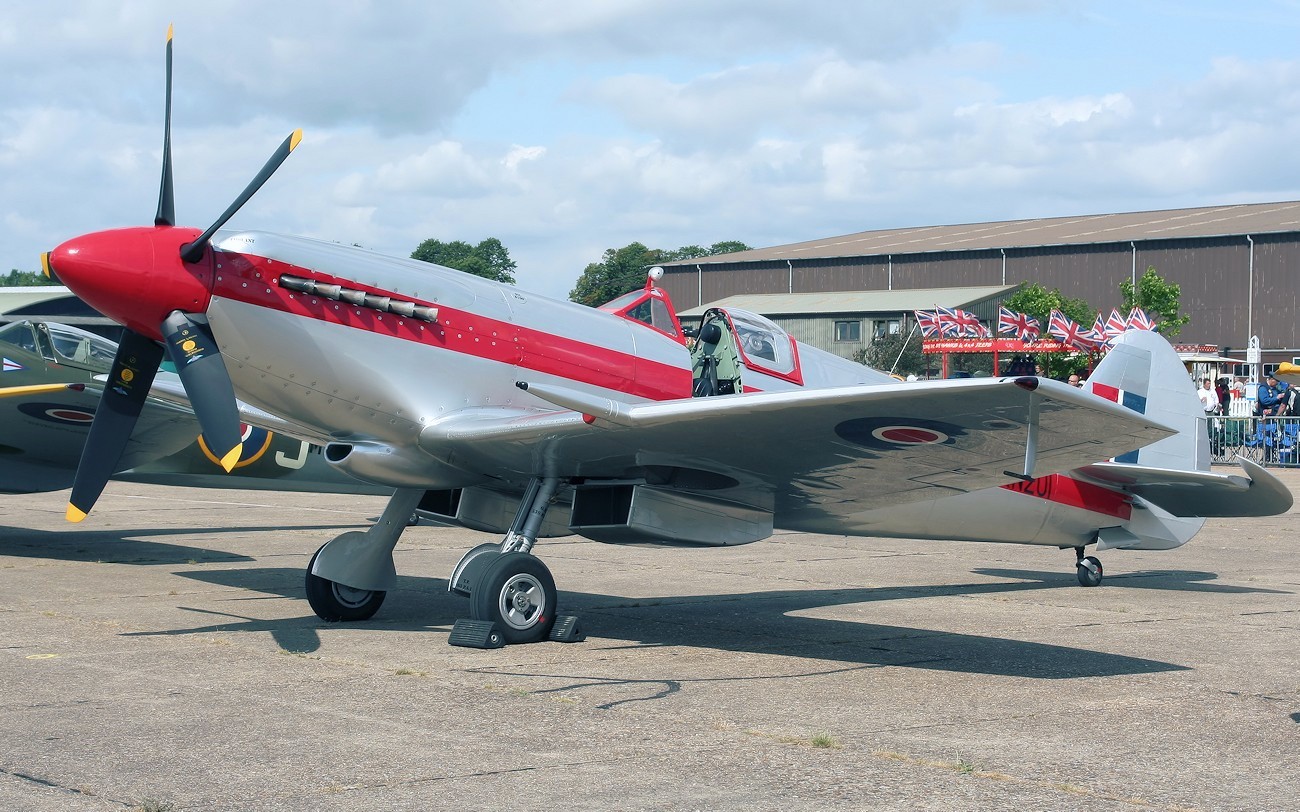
75	514
232	458
294	139
45	264
169	32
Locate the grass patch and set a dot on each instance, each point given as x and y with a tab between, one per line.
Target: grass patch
410	672
824	741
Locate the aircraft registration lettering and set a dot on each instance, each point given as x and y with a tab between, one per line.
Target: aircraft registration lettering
1065	490
285	461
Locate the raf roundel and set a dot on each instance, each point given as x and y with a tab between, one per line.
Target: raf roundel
896	432
58	413
909	435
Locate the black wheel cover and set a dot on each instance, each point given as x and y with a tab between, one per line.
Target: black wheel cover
334	602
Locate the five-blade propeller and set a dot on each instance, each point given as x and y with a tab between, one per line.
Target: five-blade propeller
188	344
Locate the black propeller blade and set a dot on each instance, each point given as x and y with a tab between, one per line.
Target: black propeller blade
166	215
193	252
203	374
128	383
191	347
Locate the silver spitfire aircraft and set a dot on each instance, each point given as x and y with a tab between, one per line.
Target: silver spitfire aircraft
530	417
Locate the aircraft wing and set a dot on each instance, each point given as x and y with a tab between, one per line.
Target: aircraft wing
167	387
819	453
1199	493
43	429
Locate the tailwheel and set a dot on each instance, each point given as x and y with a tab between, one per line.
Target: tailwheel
334	602
1089	571
517	593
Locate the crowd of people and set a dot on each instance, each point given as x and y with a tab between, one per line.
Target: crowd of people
1273	398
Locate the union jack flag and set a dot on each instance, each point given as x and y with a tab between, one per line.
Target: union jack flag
1098	331
1139	320
928	323
1115	325
1020	325
969	324
1068	332
948	322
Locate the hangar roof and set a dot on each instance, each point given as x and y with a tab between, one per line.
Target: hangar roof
853	301
1211	221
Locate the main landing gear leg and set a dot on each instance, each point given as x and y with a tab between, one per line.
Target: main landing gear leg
348	578
1089	568
504	582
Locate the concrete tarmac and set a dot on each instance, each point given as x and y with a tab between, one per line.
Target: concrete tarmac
161	655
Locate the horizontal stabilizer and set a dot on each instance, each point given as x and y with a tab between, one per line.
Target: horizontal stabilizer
1198	493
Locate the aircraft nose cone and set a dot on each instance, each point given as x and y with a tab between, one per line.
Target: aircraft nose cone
134	276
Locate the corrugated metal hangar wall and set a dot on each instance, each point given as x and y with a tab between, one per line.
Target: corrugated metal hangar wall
1233	285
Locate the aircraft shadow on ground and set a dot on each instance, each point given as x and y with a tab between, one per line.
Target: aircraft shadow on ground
122	546
1175	580
758	622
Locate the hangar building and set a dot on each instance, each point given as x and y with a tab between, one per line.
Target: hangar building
1238	266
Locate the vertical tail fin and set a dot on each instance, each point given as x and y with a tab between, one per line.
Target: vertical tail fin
1144	373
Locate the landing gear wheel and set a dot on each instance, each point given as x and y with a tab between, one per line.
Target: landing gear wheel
1089	571
517	593
334	602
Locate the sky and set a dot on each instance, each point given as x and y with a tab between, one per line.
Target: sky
564	128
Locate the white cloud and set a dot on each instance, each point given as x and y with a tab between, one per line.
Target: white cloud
667	122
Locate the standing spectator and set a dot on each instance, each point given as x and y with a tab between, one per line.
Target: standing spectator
1269	403
1238	388
1074	381
1209	398
1225	395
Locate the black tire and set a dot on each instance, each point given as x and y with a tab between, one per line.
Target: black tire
334	602
1090	571
517	593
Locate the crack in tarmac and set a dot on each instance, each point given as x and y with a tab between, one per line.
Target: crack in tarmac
45	782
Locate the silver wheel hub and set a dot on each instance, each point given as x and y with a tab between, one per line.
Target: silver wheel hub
522	602
351	597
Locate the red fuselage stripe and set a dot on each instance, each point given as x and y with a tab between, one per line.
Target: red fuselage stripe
1085	495
252	280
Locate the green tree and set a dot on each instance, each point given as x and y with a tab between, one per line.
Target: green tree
624	269
695	251
24	279
620	270
1035	300
1158	298
903	348
489	259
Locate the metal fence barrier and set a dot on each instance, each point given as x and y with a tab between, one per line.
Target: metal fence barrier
1269	441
